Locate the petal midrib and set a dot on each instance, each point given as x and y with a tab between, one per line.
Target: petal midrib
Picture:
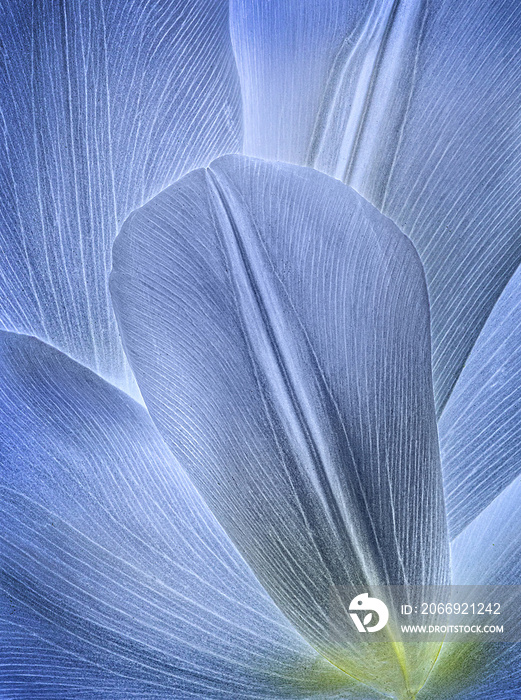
270	345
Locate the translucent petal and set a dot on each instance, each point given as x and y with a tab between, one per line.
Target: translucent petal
278	328
416	105
486	553
480	429
117	582
103	104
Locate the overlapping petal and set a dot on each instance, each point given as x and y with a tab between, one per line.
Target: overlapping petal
103	104
416	105
116	580
480	429
486	553
278	328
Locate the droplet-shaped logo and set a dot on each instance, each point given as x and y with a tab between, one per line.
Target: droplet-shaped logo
363	603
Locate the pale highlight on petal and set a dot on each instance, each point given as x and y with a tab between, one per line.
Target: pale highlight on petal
416	105
485	553
480	429
116	580
278	328
103	104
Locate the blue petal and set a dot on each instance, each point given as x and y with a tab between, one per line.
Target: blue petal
104	104
415	105
480	429
117	582
486	553
475	671
278	328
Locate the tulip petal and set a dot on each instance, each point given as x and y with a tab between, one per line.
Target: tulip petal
278	328
480	429
117	581
475	671
486	553
416	105
104	104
